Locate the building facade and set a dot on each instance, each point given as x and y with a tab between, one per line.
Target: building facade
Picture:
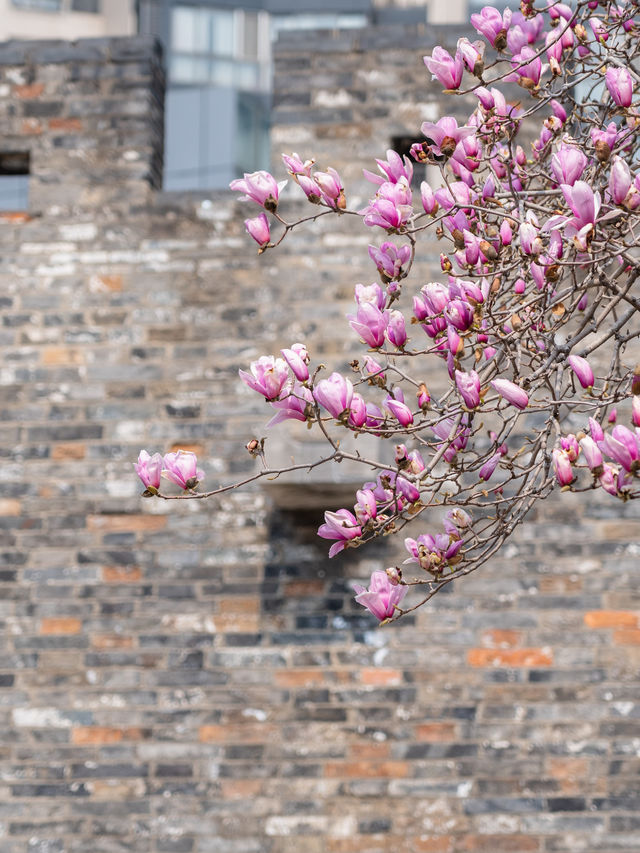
196	678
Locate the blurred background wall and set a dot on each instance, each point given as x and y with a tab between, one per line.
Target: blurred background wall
198	677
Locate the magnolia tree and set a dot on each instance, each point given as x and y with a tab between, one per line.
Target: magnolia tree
530	324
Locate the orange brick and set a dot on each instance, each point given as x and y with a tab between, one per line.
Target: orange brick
509	657
10	506
121	574
31	127
127	523
299	677
15	216
68	451
368	751
502	639
498	844
198	449
62	355
106	283
120	790
299	589
28	91
380	677
61	625
238	605
560	584
72	125
627	637
440	844
570	773
611	619
111	641
86	735
234	623
436	732
238	789
366	769
236	733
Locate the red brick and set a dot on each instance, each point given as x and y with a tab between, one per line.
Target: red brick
67	125
509	657
126	523
366	769
501	638
436	732
611	619
121	574
61	625
31	127
380	677
627	637
70	450
28	91
86	735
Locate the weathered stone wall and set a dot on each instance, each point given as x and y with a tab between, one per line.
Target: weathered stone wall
195	677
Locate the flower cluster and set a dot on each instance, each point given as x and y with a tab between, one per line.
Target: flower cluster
179	467
528	324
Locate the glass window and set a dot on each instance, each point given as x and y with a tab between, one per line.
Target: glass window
222	32
14	180
92	6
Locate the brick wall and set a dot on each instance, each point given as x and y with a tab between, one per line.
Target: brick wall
198	677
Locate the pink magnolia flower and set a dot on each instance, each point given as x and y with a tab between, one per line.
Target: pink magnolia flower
446	134
445	68
396	330
429	202
511	392
398	408
357	411
608	479
382	598
292	407
181	467
635	410
268	376
591	453
527	68
468	385
562	466
493	26
623	446
619	180
342	526
489	467
297	358
620	85
366	508
568	164
472	53
582	370
390	259
432	552
391	207
393	168
334	394
584	203
296	166
258	228
260	187
372	293
149	469
370	323
330	187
